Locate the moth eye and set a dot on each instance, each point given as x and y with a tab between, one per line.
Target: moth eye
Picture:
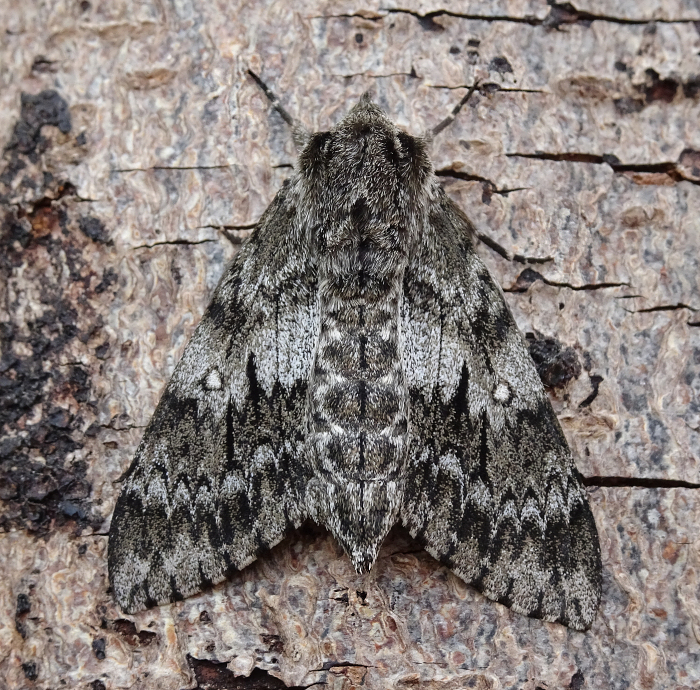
325	143
319	147
393	150
502	393
213	381
407	144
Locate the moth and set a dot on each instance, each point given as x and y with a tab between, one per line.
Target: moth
358	366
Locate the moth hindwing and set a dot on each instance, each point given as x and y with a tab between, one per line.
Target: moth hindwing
358	365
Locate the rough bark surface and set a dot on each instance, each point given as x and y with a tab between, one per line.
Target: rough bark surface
135	149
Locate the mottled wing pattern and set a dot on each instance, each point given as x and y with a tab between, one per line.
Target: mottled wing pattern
219	473
492	490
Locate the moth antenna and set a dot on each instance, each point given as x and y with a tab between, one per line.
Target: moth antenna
455	111
299	133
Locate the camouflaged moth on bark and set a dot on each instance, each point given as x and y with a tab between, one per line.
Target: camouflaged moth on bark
358	365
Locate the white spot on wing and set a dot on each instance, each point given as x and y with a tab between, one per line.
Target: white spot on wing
502	393
213	381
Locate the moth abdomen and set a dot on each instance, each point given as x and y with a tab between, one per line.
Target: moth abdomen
358	425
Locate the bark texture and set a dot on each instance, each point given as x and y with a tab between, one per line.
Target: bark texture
137	153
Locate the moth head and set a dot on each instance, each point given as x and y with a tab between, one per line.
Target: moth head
366	151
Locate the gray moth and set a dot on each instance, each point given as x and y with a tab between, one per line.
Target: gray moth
358	366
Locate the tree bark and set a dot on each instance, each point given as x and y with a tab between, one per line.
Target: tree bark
138	154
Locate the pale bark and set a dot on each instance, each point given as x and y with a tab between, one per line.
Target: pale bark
582	146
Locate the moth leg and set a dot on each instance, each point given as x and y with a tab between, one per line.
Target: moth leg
300	134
